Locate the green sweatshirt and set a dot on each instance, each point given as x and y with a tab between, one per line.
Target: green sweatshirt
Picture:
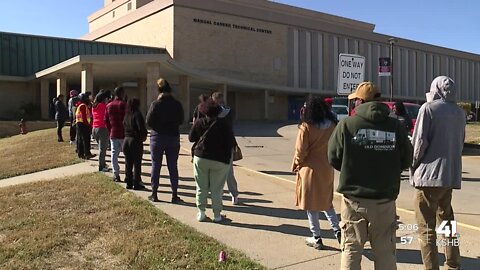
370	150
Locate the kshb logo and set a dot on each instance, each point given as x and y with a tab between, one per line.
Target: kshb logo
448	228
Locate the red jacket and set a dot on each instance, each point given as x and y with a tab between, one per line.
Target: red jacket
114	118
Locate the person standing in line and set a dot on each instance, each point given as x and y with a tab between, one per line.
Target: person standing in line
370	149
114	121
164	119
437	168
72	108
100	130
199	111
135	135
61	115
227	115
83	123
400	113
314	190
212	158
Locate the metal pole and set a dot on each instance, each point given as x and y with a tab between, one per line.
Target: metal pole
391	70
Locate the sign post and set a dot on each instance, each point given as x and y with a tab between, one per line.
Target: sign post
351	72
477	106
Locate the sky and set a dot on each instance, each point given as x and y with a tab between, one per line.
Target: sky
446	23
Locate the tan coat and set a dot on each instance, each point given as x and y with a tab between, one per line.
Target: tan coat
314	189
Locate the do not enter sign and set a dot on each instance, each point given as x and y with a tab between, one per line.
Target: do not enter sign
351	72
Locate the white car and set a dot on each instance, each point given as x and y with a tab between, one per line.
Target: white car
341	111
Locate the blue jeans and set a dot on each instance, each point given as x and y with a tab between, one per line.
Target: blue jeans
170	145
116	146
313	219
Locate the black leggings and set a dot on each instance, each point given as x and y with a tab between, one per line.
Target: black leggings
83	140
60	125
133	151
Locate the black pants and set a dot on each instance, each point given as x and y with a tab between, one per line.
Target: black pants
60	125
133	151
73	130
83	140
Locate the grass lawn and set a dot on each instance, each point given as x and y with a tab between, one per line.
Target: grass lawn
35	151
473	133
10	128
89	222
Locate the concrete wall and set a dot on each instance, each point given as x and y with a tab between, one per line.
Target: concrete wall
155	31
278	106
228	50
255	109
111	12
14	95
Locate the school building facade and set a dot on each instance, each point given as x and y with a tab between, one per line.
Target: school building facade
266	57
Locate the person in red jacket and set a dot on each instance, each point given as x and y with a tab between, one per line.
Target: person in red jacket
114	121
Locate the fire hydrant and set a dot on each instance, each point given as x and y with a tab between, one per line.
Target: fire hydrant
23	127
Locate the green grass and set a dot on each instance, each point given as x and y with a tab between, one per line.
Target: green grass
89	222
472	133
10	128
35	151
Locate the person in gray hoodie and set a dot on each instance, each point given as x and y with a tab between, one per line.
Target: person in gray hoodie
437	168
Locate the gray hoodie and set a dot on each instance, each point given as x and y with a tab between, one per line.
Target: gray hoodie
438	138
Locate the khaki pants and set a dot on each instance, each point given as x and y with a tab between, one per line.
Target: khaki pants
210	176
368	220
432	204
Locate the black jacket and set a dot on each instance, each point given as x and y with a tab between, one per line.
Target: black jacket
218	142
165	116
61	112
134	126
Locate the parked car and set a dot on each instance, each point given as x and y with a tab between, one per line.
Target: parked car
411	108
341	111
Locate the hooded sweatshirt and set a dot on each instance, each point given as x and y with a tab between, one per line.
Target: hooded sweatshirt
438	138
370	150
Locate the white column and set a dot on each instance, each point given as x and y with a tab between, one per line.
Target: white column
223	89
267	97
44	97
87	78
61	84
142	95
184	95
153	74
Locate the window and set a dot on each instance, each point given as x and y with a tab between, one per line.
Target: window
113	14
129	6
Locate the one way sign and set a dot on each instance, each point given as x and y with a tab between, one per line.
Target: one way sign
351	72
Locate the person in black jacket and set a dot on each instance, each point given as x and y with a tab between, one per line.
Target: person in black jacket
164	119
61	115
135	135
214	141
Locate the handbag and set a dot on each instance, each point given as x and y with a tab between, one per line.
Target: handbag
237	153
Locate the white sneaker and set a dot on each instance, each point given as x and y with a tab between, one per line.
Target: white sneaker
201	217
219	219
72	142
234	200
314	242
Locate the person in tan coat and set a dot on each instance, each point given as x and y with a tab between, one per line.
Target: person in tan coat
314	190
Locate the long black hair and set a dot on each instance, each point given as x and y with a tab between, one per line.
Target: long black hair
317	111
133	105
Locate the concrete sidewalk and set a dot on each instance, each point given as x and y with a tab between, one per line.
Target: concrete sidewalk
266	226
84	167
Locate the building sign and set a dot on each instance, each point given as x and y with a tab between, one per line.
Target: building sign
351	72
233	26
384	66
